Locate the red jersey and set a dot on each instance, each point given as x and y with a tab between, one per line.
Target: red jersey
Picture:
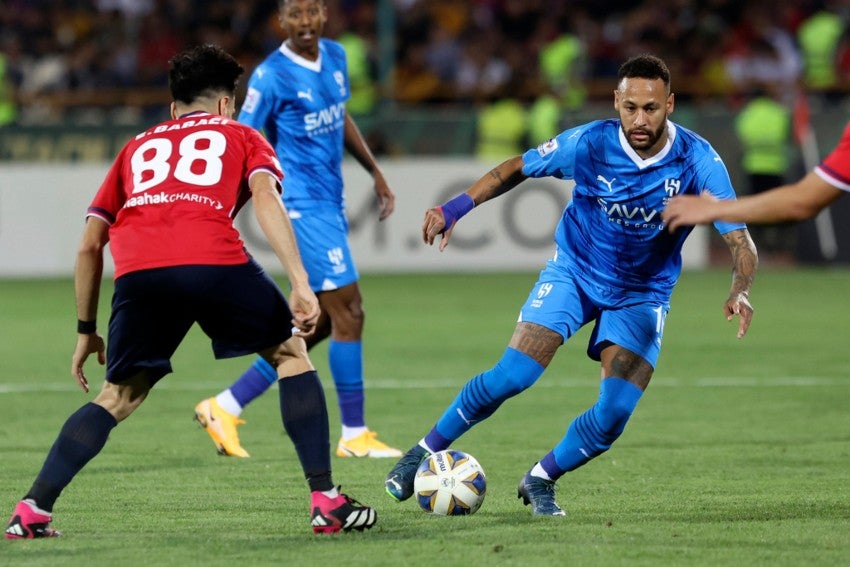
172	193
835	168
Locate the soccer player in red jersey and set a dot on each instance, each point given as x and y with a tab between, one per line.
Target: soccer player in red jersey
166	209
788	203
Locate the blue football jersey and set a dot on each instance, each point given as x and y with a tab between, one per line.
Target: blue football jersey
612	228
300	106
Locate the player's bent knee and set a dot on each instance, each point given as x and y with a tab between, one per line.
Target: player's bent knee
290	358
120	400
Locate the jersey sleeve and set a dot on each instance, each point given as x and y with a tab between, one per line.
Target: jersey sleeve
713	178
555	157
261	156
835	168
259	99
110	197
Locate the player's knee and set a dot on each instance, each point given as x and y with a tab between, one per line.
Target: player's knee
290	358
121	400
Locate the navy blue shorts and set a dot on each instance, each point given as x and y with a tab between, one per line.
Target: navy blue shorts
240	308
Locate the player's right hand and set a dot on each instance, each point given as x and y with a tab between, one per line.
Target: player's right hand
435	223
305	310
689	210
86	344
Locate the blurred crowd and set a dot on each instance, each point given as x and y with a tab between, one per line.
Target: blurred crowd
58	56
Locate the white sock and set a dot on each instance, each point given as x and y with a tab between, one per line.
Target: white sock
35	507
349	433
332	493
537	470
228	403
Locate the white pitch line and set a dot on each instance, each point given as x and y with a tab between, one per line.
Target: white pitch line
552	382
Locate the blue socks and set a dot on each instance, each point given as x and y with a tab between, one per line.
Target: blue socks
253	382
593	432
483	395
346	363
81	438
305	418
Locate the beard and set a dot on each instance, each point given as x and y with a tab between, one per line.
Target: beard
652	136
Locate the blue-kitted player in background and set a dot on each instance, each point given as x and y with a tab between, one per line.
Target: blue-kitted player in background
297	97
615	265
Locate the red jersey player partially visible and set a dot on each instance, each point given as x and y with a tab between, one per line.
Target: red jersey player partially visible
788	203
166	208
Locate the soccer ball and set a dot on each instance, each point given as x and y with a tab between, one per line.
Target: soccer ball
450	483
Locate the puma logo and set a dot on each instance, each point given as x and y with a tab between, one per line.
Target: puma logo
606	182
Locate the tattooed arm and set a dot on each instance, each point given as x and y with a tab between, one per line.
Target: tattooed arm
744	263
499	180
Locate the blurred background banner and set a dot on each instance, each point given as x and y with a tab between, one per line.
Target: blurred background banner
42	209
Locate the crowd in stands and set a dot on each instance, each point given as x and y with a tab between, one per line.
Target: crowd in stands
59	55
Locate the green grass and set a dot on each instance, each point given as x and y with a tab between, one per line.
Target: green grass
739	453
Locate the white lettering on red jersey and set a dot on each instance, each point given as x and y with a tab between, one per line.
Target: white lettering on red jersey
172	193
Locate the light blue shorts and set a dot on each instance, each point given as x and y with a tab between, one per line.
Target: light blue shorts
565	303
322	236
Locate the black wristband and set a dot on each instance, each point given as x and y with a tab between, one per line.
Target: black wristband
86	327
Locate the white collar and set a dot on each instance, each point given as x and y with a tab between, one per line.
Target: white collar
644	163
297	59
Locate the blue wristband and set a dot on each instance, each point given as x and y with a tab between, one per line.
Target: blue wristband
455	208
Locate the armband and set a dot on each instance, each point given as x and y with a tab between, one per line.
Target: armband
454	209
86	327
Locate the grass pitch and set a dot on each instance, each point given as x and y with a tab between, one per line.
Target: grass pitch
738	454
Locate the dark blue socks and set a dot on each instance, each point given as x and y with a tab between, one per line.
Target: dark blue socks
81	438
305	419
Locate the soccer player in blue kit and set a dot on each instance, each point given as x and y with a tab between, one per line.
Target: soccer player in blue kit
615	265
297	96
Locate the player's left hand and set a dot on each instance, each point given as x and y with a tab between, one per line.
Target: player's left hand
86	344
738	304
386	199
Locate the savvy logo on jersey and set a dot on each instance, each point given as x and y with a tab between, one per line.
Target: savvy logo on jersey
327	119
637	216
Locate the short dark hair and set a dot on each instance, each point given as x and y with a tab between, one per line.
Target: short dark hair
645	66
282	3
203	71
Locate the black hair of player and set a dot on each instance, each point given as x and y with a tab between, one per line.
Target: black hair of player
645	66
281	4
203	71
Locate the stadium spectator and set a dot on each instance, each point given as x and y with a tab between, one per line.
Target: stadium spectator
8	105
763	127
690	35
819	37
297	98
614	266
501	128
179	261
